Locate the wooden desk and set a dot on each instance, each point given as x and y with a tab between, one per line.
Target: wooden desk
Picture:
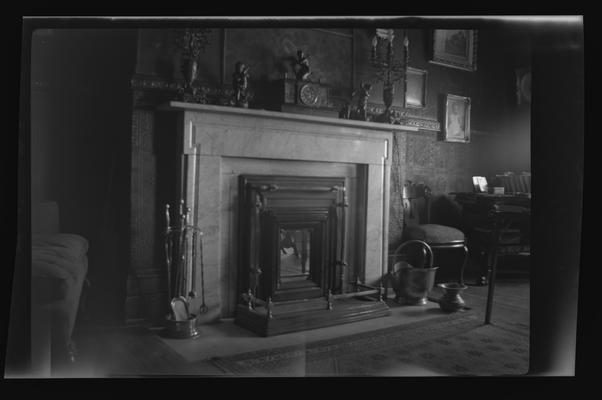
481	209
494	223
477	208
482	203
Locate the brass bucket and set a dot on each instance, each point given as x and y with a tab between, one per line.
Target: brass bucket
411	284
181	329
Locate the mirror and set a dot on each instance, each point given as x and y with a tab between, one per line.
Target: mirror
294	254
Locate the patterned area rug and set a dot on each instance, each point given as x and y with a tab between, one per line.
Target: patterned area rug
454	345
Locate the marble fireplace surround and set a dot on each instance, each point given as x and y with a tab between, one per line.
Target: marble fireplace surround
217	144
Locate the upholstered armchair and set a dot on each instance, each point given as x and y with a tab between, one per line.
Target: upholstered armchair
418	225
59	265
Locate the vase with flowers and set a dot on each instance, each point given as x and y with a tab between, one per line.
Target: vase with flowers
192	43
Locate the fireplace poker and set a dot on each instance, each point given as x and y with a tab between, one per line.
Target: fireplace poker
181	251
204	307
192	293
185	229
186	306
344	204
168	249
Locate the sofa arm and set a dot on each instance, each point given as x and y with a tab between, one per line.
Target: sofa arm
47	289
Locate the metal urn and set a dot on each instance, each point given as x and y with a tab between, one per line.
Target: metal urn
451	299
413	284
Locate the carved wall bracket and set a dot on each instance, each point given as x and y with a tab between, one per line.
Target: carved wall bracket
203	93
401	116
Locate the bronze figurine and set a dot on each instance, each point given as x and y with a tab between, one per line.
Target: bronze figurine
240	82
345	111
301	67
359	113
362	102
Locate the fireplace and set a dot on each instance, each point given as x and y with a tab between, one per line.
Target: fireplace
263	185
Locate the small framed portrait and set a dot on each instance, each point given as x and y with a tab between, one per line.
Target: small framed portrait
457	119
415	91
455	48
523	86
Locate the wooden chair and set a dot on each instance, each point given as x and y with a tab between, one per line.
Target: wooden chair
418	226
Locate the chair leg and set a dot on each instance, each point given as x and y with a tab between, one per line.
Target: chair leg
491	289
463	266
484	263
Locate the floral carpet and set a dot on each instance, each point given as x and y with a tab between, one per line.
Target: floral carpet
456	344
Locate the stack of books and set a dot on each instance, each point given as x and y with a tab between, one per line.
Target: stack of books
515	183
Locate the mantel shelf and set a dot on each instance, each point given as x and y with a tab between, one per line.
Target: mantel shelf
182	106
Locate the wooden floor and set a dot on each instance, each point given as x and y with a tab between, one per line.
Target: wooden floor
117	351
139	351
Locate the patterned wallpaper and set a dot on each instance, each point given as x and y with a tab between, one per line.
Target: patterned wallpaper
444	167
158	55
268	53
341	58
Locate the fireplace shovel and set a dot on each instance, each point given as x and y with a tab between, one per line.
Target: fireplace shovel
179	308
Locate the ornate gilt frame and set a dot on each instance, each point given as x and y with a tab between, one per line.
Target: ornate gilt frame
450	134
442	57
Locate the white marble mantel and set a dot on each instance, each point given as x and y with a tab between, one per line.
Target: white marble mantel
218	143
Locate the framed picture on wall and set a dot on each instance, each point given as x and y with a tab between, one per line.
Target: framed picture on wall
457	119
415	91
523	86
456	48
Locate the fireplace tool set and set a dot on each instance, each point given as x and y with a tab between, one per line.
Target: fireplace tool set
181	244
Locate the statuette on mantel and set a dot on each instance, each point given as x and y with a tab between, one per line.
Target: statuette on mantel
240	85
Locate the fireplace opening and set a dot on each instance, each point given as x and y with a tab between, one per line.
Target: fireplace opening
292	236
295	249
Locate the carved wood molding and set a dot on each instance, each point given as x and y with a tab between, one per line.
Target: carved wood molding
423	124
216	94
145	82
405	118
152	90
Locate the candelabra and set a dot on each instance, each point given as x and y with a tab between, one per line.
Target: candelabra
389	70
